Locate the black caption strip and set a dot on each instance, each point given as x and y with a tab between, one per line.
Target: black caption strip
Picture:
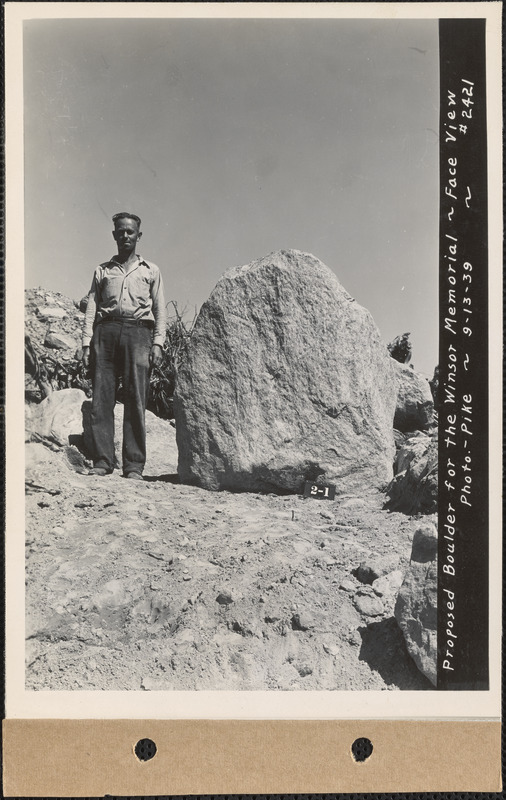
463	549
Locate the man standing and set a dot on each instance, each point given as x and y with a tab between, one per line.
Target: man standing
125	327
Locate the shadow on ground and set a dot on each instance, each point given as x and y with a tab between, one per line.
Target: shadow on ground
171	478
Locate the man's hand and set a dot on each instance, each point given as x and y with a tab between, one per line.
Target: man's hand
86	357
156	355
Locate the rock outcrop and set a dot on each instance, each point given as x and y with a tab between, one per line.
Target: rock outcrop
415	409
286	379
416	606
400	348
413	490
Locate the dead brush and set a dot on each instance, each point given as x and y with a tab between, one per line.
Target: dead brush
163	379
61	373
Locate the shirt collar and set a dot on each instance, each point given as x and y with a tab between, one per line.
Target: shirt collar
140	260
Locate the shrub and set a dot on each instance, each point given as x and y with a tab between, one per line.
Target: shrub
163	378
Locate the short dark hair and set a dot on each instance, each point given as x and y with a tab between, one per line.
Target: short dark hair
126	215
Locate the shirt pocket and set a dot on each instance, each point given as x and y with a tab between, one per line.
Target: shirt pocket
140	290
110	289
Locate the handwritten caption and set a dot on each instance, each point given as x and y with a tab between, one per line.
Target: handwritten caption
456	375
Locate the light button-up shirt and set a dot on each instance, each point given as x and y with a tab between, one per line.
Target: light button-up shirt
136	294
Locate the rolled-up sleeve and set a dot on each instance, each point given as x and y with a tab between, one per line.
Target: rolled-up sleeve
91	310
159	310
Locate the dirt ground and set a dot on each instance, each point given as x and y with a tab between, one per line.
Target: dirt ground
157	585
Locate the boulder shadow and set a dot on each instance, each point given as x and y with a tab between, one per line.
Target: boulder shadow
384	649
169	478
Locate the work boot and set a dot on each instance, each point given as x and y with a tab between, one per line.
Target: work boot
135	476
100	471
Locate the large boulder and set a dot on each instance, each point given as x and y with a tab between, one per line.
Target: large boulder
286	379
416	605
58	419
414	488
415	409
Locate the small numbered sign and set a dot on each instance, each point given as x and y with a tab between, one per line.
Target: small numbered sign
320	491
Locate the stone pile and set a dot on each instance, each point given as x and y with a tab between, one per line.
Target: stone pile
53	322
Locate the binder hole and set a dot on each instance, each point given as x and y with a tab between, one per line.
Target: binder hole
145	749
361	749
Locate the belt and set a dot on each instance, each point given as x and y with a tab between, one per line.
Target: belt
141	323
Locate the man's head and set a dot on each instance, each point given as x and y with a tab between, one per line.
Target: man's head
126	232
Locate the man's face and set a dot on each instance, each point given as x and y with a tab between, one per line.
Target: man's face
126	233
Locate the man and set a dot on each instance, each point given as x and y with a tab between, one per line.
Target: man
125	326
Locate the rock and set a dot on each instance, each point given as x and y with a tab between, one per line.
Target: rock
59	417
413	490
51	312
416	606
399	439
58	341
285	380
400	348
348	585
302	621
225	598
331	649
388	585
186	636
75	460
112	595
366	590
374	567
415	409
424	547
369	606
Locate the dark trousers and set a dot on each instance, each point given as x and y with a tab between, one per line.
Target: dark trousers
120	349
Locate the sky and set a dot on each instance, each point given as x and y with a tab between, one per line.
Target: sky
232	139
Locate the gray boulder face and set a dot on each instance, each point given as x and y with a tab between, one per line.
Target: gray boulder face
57	418
286	379
414	488
415	408
58	341
416	606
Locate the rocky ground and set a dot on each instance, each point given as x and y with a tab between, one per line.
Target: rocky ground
158	585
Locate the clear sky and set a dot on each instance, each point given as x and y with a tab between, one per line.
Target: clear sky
234	138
